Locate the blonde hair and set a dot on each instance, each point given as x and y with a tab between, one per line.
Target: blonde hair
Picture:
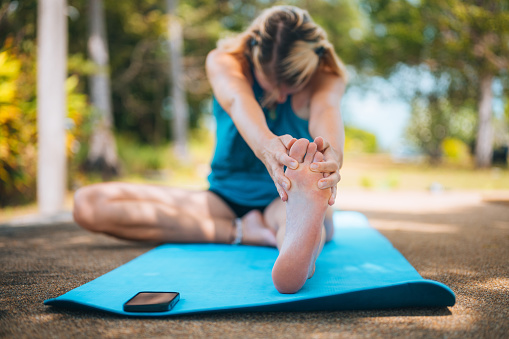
286	45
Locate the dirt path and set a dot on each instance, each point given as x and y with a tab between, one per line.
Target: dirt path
453	237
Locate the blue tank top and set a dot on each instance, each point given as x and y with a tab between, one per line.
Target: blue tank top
236	172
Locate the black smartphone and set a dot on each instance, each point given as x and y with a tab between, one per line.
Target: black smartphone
152	302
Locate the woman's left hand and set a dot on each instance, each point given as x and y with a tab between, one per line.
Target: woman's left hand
329	166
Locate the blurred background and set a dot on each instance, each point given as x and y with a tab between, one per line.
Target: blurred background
426	107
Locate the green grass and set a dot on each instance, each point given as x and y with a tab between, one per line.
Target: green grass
159	165
143	163
378	171
360	170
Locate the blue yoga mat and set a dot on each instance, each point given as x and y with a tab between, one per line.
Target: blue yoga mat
358	269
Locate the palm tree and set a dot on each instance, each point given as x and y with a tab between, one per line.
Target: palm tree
103	151
179	109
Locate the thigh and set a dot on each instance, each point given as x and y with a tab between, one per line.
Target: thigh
194	202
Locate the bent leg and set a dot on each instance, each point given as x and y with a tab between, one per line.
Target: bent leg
153	213
304	234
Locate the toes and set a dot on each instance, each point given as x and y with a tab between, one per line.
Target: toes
298	150
318	157
310	153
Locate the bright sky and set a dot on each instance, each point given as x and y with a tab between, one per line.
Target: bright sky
386	118
386	115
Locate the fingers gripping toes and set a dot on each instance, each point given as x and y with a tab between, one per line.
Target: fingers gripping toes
288	161
282	193
332	198
281	179
329	181
324	167
287	140
319	143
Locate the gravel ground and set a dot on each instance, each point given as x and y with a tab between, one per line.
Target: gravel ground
452	237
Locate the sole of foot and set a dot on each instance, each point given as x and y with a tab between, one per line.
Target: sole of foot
305	211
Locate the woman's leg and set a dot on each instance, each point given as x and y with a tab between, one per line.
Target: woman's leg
158	214
301	233
275	218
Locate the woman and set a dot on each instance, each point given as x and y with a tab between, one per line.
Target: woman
278	81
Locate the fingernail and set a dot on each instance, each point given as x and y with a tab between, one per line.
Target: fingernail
313	166
322	184
285	185
294	164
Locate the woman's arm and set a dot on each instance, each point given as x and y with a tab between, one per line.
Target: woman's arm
235	95
326	126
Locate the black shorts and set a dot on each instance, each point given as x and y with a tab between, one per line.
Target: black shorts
239	210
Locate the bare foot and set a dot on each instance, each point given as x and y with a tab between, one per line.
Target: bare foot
255	232
305	211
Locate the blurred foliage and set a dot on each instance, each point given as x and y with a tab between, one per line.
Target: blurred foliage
160	164
454	42
458	42
429	125
18	134
456	151
140	158
434	121
18	124
366	182
360	141
462	38
139	65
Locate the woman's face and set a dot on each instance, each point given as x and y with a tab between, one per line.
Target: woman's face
283	90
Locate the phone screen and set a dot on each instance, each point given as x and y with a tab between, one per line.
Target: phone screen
152	302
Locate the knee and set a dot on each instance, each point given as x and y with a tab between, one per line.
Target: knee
84	209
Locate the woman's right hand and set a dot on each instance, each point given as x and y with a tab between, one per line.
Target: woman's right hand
274	155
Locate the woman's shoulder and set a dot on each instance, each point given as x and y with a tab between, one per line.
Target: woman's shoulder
325	80
216	56
228	64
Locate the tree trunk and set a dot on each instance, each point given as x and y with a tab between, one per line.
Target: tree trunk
102	154
51	104
484	145
179	109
